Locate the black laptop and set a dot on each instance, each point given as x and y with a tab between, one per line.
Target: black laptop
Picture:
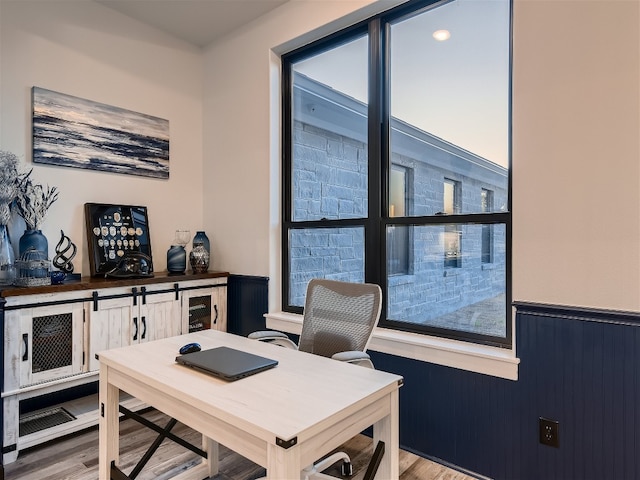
226	363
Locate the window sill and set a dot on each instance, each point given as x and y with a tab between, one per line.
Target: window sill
483	359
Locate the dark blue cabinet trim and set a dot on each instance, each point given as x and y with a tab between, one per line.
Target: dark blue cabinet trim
247	302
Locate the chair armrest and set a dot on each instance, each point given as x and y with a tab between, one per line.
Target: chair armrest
273	336
266	334
354	356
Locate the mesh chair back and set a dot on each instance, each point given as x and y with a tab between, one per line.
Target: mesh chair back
339	316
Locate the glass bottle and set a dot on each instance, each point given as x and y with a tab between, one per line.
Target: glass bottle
7	258
201	238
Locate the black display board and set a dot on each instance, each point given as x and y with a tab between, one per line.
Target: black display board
113	232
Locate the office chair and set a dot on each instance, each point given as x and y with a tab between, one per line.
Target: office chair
338	321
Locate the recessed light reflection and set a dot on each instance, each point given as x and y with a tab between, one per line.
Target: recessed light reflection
442	35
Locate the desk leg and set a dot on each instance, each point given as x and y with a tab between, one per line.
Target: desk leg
109	433
213	455
386	430
283	464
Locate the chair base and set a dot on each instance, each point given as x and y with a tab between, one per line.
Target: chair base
313	472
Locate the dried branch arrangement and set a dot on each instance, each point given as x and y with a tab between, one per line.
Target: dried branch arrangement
33	201
8	184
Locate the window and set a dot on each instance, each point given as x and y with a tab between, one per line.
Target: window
396	166
329	169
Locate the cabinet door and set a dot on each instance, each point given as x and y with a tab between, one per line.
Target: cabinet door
159	316
204	308
219	297
52	342
197	309
115	324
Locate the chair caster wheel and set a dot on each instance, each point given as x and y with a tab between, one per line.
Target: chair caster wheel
347	469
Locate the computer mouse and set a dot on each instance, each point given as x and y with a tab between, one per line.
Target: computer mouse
190	348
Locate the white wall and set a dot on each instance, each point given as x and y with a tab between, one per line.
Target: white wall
90	51
576	153
576	156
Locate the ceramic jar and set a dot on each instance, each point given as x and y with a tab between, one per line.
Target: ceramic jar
176	259
33	239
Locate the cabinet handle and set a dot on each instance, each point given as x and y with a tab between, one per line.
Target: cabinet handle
144	327
94	295
25	340
215	309
135	324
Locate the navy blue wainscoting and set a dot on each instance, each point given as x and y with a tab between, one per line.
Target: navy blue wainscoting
580	367
247	302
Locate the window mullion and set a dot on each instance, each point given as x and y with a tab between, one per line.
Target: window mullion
374	257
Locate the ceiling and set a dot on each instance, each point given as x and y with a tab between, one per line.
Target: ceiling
199	22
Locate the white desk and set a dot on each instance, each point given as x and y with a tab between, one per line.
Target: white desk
284	418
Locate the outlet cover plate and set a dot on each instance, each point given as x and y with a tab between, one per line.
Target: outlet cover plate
549	431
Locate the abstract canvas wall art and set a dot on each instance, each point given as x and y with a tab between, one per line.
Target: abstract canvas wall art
74	132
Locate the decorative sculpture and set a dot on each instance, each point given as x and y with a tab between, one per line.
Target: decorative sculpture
61	261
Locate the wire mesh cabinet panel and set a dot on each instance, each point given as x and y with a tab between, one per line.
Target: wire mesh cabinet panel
50	343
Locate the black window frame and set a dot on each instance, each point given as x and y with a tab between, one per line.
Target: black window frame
379	126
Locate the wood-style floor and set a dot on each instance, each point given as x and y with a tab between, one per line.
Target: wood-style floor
76	457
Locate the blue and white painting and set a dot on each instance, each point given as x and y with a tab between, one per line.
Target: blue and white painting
74	132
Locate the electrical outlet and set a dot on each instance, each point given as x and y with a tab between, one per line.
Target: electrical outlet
549	430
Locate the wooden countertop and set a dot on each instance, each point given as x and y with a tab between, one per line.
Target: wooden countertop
95	283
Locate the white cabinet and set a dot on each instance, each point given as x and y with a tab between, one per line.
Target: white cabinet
52	335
